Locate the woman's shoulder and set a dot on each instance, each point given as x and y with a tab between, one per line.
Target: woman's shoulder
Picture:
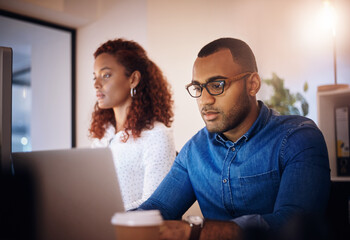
159	129
158	141
161	126
104	141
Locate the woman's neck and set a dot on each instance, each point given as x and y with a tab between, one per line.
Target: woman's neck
120	114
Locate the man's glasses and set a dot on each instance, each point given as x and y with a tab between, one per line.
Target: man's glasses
214	88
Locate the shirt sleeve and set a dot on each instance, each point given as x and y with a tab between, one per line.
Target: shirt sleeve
253	220
305	176
174	195
157	159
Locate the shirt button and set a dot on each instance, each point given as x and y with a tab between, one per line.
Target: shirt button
233	149
224	181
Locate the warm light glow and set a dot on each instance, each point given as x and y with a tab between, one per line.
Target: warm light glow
329	16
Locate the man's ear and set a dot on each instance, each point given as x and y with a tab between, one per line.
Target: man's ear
135	79
253	84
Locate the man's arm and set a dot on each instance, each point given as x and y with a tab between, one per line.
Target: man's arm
173	196
305	181
218	230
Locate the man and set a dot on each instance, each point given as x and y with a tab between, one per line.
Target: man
248	164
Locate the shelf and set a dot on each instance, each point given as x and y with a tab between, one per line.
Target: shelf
338	92
327	101
340	179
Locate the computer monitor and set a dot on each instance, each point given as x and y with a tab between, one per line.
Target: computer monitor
5	108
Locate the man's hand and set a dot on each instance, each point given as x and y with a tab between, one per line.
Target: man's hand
221	230
175	230
218	230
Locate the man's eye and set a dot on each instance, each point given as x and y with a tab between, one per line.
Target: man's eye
196	87
216	85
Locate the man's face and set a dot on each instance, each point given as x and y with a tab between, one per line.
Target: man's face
227	111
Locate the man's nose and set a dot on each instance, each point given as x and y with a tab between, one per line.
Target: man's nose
206	98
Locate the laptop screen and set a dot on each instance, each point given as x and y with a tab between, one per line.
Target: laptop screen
76	192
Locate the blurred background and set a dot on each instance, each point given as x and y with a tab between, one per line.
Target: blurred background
293	42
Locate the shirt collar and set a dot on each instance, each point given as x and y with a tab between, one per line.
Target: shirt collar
259	123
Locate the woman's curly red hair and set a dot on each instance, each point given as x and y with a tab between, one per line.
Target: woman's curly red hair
152	101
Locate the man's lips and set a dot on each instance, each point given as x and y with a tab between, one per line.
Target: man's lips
209	115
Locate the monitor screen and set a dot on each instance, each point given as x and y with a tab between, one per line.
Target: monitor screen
5	107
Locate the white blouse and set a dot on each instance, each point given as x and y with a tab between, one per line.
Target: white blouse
141	163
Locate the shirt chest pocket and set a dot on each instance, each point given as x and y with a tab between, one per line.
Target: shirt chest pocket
259	191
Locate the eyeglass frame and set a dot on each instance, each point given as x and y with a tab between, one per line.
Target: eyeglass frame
204	85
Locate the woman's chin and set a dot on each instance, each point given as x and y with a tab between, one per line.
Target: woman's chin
102	105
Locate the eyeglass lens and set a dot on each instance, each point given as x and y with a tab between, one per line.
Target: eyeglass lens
214	88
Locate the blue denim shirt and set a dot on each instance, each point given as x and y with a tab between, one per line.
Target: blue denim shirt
276	169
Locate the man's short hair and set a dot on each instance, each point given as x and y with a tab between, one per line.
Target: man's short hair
240	51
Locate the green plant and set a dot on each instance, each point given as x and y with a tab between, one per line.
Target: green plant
285	102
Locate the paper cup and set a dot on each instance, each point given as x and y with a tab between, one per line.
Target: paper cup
142	225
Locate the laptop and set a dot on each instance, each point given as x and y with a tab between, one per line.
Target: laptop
76	192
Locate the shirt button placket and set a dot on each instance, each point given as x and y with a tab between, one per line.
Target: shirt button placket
225	180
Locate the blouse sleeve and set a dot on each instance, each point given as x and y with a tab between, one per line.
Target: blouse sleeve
158	157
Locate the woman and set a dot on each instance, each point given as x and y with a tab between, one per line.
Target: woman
132	116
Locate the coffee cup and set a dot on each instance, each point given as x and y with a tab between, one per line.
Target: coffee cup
142	225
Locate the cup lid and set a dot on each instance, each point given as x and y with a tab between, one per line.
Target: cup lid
137	218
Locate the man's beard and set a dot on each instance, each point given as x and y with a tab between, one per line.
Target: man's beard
234	117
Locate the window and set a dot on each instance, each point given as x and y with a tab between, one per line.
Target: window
43	84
